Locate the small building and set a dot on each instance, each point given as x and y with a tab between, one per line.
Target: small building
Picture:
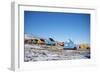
61	43
34	41
50	43
28	41
40	42
69	45
84	46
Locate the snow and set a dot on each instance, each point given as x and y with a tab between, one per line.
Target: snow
28	46
33	46
37	54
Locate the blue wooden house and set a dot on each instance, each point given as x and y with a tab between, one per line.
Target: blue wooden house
69	45
50	43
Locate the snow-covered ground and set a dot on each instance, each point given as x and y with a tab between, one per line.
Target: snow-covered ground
39	53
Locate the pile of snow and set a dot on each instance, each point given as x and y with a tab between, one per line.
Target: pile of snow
36	46
28	46
33	46
28	54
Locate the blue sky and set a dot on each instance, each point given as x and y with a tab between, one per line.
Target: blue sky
60	26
